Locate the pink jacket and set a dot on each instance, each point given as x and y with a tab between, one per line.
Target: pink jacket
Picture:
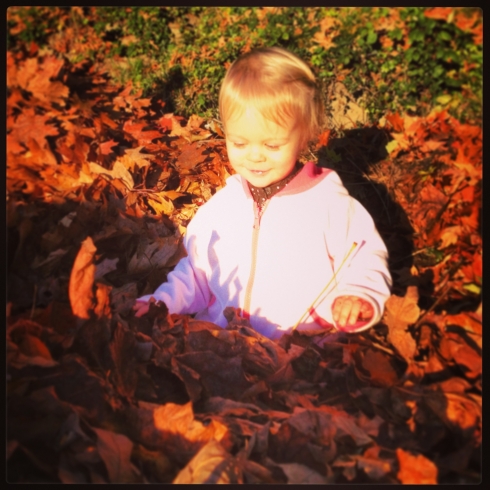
276	270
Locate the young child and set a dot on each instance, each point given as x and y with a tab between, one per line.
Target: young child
271	240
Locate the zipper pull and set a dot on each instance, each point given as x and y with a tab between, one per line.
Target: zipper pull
258	211
256	216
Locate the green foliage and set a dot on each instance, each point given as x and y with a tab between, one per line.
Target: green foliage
34	24
181	53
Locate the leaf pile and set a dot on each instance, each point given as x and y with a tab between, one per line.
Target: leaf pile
101	183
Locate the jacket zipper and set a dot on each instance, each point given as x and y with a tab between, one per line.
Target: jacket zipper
258	212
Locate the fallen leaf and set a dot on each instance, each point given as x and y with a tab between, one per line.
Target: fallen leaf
115	451
300	474
191	156
400	312
80	289
415	469
211	465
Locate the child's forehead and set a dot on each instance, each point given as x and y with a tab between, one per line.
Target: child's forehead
250	114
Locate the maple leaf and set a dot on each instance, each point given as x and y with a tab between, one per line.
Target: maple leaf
324	37
106	147
35	78
400	312
165	122
191	156
118	171
31	125
450	236
137	158
137	132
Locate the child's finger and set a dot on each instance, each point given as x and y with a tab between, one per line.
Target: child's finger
345	312
367	310
354	313
141	309
337	308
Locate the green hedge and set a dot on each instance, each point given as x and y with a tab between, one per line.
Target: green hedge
389	58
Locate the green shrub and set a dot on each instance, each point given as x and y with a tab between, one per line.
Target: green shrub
181	53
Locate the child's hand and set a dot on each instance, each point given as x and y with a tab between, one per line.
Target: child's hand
141	308
348	310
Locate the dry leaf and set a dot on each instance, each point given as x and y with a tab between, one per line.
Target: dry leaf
400	312
80	289
211	465
115	451
300	474
415	469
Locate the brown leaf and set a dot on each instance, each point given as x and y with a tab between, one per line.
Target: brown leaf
153	253
115	451
80	289
211	465
191	156
400	312
179	433
379	367
122	348
217	376
415	469
300	474
137	158
31	125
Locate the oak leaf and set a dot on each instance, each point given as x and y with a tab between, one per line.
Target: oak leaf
415	469
400	312
31	125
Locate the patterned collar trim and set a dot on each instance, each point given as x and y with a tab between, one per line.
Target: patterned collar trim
262	194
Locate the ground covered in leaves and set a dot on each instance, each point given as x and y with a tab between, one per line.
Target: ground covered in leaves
101	184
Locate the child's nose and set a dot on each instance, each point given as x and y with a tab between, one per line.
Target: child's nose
255	154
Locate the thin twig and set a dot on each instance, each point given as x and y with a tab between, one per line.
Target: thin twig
436	302
334	277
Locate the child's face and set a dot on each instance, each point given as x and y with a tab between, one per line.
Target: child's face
260	150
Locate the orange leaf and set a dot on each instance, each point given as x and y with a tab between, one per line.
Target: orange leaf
31	125
323	138
450	236
136	131
432	145
191	156
400	313
441	13
80	288
415	469
106	147
396	121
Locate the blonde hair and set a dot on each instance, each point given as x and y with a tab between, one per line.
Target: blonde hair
278	84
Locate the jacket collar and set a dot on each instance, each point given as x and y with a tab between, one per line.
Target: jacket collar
262	194
308	176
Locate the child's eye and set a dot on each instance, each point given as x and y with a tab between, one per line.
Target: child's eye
239	145
272	147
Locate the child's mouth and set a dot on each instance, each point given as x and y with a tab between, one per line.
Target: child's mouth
259	172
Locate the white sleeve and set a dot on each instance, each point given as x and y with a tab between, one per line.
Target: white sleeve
365	272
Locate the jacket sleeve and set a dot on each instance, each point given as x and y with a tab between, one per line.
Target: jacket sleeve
186	290
365	271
